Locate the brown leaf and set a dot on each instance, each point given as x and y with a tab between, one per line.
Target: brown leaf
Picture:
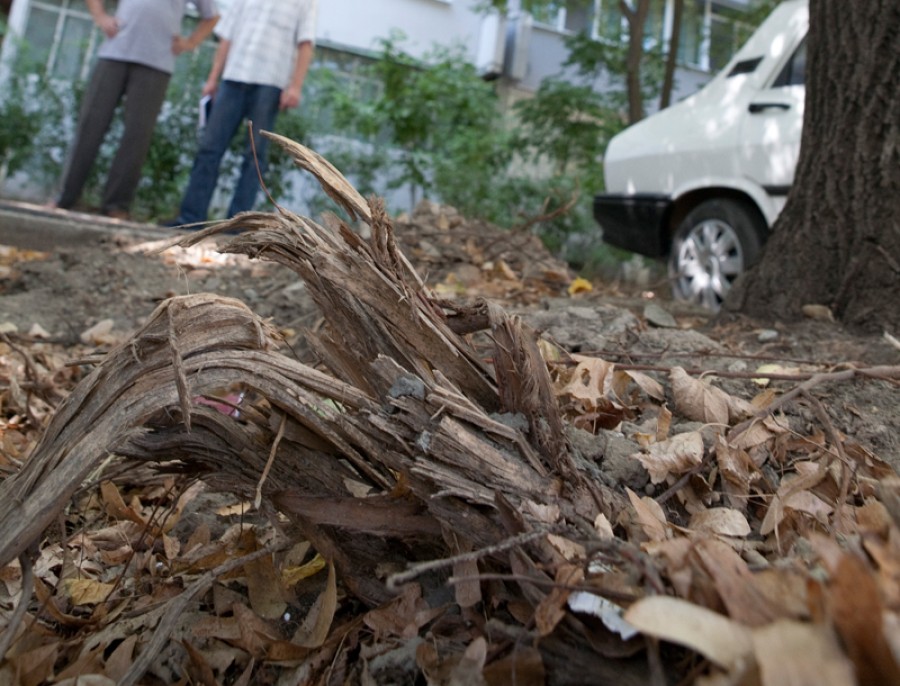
738	472
403	616
264	588
201	671
551	610
115	505
35	666
697	400
648	384
255	634
467	591
722	521
714	636
799	501
87	591
468	671
591	380
663	423
797	654
858	613
120	659
45	595
736	584
650	516
523	667
314	630
88	663
678	455
86	680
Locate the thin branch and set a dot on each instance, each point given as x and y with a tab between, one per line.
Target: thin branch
885	373
396	580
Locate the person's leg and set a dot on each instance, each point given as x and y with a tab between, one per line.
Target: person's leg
224	119
103	93
145	91
263	109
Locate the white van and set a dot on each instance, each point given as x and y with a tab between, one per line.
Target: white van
702	181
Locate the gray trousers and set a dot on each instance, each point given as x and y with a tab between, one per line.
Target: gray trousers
144	90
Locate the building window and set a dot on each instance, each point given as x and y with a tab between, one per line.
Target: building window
349	73
61	35
710	33
571	17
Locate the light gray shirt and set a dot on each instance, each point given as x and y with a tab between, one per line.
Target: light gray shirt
146	30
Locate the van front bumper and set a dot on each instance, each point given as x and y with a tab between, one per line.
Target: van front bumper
636	223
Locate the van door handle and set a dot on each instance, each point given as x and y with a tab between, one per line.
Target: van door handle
757	107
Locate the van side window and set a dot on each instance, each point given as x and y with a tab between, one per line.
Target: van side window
794	72
745	67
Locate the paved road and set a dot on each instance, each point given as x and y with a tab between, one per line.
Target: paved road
34	227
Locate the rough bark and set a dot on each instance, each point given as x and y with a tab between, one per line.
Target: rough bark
636	18
665	97
455	454
837	242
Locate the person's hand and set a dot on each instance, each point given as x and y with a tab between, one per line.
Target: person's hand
180	45
290	97
108	24
210	88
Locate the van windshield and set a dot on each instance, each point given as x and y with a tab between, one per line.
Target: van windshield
794	72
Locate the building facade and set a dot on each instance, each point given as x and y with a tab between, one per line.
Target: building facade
521	48
517	50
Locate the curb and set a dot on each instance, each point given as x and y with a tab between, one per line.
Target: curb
35	227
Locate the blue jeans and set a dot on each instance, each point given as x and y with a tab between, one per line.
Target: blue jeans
234	102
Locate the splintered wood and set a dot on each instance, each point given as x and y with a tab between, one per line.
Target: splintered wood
437	484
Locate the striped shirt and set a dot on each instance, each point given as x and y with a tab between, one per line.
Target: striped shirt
264	36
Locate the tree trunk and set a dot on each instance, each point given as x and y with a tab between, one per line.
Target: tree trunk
837	242
636	18
665	98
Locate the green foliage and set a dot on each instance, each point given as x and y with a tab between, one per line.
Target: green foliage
31	115
606	59
435	126
438	117
569	126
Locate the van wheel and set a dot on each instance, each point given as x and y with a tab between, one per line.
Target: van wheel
714	244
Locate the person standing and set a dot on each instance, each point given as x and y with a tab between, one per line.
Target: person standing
265	49
134	63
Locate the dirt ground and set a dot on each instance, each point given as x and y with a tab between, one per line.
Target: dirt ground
115	283
59	309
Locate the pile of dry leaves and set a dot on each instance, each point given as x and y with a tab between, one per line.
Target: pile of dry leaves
431	500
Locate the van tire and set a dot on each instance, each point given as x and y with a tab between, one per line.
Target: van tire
714	244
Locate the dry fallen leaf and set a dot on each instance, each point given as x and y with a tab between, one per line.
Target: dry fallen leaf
650	516
87	591
722	521
580	285
699	401
796	654
678	455
314	629
714	636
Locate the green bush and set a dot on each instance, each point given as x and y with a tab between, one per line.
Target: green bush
32	114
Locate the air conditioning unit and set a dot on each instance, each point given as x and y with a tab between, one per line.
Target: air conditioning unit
491	46
518	36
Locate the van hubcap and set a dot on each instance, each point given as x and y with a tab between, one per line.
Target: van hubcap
708	261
